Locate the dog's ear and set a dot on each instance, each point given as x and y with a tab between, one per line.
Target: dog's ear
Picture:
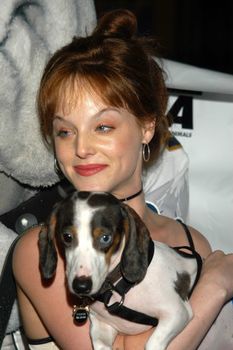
134	261
47	249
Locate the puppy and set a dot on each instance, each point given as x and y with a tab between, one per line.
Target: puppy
131	282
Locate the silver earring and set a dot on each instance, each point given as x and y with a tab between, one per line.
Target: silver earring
145	152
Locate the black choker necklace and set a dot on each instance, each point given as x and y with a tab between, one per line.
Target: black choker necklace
131	197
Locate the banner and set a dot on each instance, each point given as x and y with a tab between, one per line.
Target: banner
201	102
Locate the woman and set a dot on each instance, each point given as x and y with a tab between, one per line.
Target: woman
102	103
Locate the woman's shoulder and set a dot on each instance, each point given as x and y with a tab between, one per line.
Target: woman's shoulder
28	241
26	252
172	232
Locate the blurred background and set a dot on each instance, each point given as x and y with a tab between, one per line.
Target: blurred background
197	32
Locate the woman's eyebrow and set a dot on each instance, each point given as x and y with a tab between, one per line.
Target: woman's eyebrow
107	109
57	117
96	115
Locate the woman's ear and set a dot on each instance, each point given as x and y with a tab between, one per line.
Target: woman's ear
148	131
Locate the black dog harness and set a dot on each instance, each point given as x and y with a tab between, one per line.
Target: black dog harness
123	286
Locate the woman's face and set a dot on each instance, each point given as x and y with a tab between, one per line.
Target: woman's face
99	147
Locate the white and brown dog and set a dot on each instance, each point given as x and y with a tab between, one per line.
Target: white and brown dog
133	282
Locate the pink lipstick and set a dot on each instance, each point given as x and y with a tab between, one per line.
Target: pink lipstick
89	169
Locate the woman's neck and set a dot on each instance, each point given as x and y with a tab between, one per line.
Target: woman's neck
138	204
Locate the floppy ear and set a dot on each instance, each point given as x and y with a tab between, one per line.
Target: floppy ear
134	261
47	250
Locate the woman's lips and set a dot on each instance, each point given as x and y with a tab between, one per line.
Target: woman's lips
89	169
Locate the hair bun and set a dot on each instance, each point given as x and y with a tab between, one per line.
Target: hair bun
121	23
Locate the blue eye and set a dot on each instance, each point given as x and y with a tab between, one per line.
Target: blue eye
105	240
104	128
63	133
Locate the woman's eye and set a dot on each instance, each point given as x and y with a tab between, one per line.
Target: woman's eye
105	240
67	237
104	128
63	133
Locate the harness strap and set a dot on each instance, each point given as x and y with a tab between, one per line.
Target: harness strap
191	256
193	251
188	234
118	309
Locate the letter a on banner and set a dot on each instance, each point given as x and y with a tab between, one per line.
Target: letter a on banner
182	111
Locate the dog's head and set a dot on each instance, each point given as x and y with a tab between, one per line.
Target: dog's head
94	228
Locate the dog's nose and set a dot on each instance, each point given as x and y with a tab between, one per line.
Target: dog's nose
82	285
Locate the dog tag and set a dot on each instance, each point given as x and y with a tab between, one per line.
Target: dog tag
80	314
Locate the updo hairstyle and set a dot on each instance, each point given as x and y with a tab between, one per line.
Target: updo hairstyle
115	64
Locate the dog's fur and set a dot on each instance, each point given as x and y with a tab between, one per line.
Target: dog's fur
98	232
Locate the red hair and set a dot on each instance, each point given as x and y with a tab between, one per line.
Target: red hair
116	65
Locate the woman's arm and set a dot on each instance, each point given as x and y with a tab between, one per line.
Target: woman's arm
213	290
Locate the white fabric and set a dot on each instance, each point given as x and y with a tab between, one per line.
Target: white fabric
186	77
13	341
47	346
166	184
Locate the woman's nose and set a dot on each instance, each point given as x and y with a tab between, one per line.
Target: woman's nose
84	146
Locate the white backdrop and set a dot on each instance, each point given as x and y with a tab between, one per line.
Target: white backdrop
202	105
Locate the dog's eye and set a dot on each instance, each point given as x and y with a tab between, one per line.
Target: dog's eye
105	240
67	237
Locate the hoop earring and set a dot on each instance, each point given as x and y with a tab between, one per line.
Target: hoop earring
145	152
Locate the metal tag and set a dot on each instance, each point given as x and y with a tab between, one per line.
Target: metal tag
80	314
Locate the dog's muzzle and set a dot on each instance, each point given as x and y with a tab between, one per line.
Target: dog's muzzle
82	285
